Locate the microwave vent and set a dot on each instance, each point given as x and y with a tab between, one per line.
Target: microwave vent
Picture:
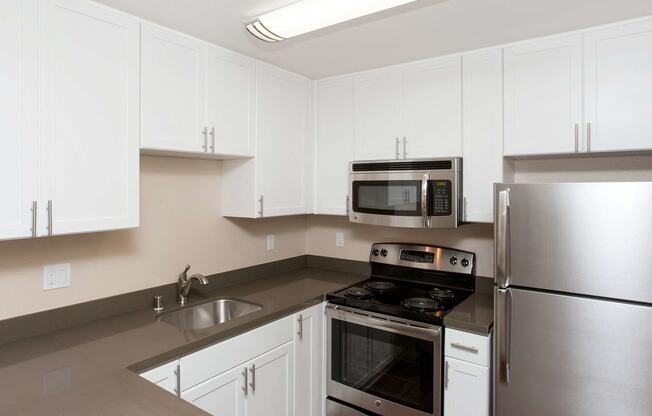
399	166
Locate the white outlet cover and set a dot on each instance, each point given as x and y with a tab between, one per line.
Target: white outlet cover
339	239
56	276
270	242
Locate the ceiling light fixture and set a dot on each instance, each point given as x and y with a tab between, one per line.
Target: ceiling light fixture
307	15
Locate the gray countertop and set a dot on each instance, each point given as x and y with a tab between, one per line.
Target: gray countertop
476	313
91	369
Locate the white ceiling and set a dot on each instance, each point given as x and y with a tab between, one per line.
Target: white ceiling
426	28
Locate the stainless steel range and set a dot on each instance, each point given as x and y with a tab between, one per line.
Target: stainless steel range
384	339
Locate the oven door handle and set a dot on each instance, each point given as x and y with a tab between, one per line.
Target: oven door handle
391	324
424	200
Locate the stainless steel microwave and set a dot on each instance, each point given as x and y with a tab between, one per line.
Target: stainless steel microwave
420	193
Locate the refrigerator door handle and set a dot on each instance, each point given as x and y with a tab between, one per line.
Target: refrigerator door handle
504	334
502	239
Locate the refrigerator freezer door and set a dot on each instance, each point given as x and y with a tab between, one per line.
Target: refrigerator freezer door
584	238
571	356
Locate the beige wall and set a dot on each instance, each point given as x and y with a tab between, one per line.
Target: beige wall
180	224
320	239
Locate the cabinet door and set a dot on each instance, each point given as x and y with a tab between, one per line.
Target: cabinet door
222	395
466	389
18	150
377	115
483	132
282	132
308	349
173	91
334	144
431	109
230	102
543	96
89	117
618	87
165	376
271	383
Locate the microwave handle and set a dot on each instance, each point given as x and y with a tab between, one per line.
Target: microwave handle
424	201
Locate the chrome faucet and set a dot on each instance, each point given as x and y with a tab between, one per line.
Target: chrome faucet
184	282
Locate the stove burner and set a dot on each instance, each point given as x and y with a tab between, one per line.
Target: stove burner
421	304
358	293
380	286
442	295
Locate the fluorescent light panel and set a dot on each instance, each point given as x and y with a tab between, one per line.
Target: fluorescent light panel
308	15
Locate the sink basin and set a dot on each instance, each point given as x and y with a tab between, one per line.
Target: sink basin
209	314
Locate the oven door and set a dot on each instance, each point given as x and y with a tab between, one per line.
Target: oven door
404	199
387	367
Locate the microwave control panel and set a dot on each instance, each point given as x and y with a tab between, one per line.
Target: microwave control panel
441	198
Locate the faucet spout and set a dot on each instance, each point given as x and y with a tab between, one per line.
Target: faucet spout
184	283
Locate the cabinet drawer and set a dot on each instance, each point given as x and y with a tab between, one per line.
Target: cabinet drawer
218	358
468	347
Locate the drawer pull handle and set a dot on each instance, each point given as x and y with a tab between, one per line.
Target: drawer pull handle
465	347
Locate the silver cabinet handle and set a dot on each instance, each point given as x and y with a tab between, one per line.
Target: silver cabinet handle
300	322
177	374
502	239
504	308
404	147
577	137
398	144
34	213
261	201
50	217
464	347
253	378
424	201
205	134
446	369
245	388
213	139
348	200
588	137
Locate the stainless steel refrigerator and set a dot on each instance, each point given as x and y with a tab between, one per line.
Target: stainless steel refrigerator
573	299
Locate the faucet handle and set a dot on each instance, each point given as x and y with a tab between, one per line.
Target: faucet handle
184	274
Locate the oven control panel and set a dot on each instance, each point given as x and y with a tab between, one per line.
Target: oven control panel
423	257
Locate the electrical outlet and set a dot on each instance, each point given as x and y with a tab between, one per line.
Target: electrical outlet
270	242
339	239
56	276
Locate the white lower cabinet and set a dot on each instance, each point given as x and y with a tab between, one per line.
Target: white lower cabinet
467	374
165	376
308	356
466	389
273	370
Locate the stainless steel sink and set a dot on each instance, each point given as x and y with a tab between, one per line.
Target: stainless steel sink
209	314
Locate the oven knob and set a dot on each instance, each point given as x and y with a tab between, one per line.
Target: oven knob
465	262
375	252
383	252
378	403
453	260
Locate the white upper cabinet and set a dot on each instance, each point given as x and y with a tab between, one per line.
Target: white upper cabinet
334	144
618	87
274	182
282	135
431	109
377	115
409	112
89	118
18	146
173	91
230	102
483	132
543	96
